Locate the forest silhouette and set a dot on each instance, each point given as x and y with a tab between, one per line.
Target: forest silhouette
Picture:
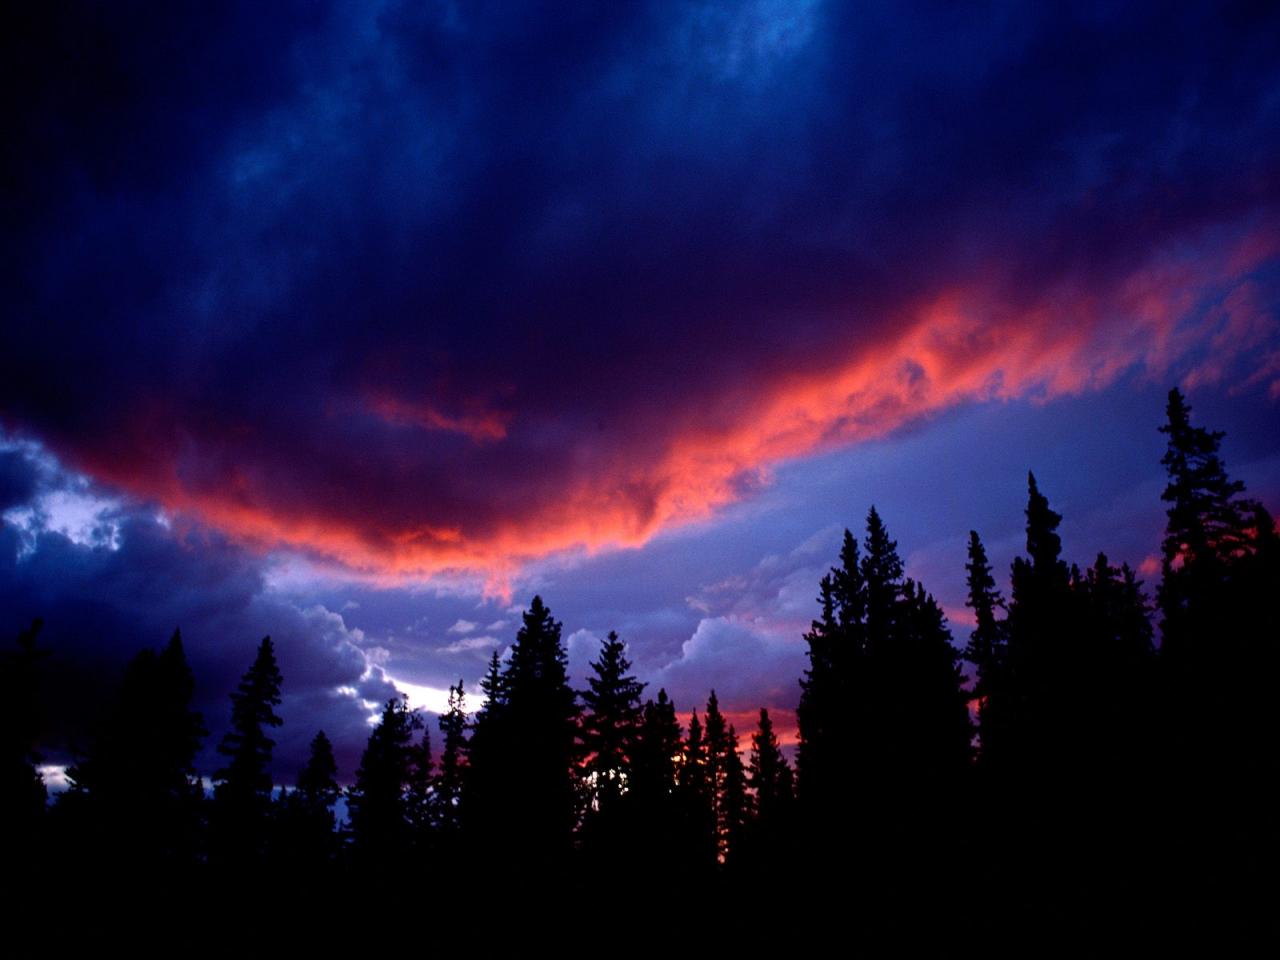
1110	758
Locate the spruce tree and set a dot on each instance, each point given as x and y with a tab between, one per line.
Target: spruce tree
816	715
450	779
242	796
318	782
378	801
772	785
698	800
769	775
836	677
882	571
1210	528
137	788
419	795
883	715
1220	574
726	796
1040	629
525	752
610	725
987	651
305	840
658	744
736	806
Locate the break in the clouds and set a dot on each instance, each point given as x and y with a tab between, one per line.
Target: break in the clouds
111	578
416	287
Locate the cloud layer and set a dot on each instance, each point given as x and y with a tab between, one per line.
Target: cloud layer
416	289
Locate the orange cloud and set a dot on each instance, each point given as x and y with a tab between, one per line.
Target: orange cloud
978	339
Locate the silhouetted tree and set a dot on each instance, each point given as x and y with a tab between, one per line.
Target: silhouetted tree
420	796
816	716
378	802
483	783
696	790
1040	632
653	805
1219	652
987	651
1211	529
450	779
736	805
137	789
242	796
318	782
725	783
524	750
305	839
769	774
610	725
830	732
884	725
772	784
658	747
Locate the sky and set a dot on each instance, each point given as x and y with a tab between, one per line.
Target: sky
360	323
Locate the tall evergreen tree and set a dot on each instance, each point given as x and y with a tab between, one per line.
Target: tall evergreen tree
378	802
883	715
610	725
305	837
137	788
769	775
658	745
817	715
318	782
772	785
697	798
882	578
524	750
242	796
451	777
836	677
736	805
1210	527
1040	629
420	794
1220	574
725	782
987	651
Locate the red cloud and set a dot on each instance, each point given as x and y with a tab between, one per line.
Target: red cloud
515	487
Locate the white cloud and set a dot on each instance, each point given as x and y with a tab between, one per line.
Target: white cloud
470	643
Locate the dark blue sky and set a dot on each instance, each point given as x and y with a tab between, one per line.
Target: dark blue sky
357	324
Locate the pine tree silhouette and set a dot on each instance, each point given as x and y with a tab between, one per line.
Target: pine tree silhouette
725	783
987	650
305	838
769	837
697	798
524	751
451	778
830	732
1040	628
137	789
1218	651
242	796
610	725
378	802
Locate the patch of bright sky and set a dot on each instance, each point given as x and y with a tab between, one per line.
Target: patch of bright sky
65	503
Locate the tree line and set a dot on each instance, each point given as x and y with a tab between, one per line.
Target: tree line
1082	768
